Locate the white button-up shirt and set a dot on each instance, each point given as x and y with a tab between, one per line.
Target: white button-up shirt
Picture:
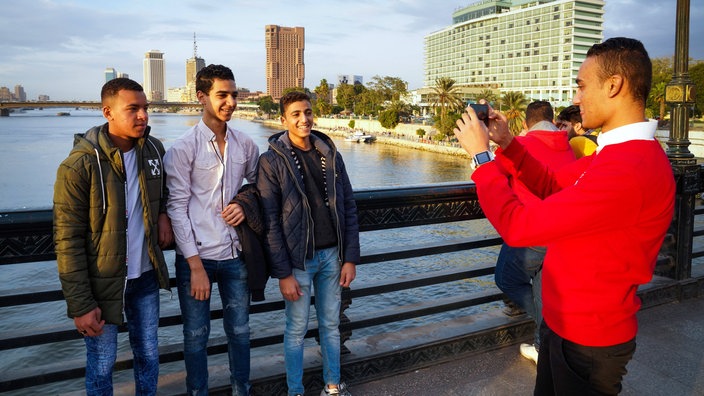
201	183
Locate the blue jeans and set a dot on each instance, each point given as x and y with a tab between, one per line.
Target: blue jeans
518	275
323	273
142	313
231	276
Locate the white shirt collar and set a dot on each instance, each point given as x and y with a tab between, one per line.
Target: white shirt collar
637	131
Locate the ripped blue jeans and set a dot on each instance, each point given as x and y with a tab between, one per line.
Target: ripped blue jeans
231	276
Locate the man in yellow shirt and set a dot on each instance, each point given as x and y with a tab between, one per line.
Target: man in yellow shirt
583	141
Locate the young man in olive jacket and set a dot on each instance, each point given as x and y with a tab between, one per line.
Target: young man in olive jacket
312	235
110	224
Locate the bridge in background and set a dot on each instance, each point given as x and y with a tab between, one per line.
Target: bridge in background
5	107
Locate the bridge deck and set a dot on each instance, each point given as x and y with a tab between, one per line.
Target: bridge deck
669	360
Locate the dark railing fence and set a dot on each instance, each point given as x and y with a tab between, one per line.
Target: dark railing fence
26	237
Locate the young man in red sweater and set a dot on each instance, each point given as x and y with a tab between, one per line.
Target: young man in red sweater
589	294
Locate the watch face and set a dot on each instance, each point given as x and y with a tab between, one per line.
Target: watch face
482	157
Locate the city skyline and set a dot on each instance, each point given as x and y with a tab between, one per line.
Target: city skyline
78	40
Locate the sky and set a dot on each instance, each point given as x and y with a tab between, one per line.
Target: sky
61	48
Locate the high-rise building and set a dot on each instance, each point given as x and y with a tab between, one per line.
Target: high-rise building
5	94
110	74
20	95
154	76
193	66
349	79
531	46
284	58
122	75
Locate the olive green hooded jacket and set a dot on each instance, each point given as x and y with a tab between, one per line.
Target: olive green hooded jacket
90	226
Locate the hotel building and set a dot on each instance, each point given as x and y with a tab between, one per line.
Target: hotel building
530	46
154	72
284	59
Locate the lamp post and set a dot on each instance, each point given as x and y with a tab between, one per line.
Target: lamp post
679	95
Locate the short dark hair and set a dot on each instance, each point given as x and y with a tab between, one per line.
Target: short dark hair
571	114
628	58
537	111
292	97
206	76
112	87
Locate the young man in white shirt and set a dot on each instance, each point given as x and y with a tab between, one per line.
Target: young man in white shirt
205	168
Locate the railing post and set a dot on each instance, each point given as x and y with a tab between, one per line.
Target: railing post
679	95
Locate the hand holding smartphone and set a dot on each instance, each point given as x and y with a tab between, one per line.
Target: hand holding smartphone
482	111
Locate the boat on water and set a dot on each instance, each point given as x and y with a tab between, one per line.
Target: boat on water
63	113
359	136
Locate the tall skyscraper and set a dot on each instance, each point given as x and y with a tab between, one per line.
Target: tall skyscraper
284	58
154	72
20	95
535	47
193	66
110	74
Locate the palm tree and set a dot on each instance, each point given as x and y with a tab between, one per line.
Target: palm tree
446	95
657	95
488	95
516	103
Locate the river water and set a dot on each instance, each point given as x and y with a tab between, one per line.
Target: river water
34	142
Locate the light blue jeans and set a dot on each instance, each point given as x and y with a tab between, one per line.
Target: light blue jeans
142	312
231	276
323	274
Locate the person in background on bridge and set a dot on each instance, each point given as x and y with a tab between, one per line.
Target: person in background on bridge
518	269
204	170
110	225
583	141
312	235
603	219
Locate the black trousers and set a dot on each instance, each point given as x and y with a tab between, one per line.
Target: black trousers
566	368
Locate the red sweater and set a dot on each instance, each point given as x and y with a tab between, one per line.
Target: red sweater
603	219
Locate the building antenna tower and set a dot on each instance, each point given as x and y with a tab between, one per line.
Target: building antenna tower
195	46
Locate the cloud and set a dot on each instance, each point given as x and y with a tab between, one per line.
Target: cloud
61	48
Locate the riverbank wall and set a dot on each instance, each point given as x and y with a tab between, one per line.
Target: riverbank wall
404	135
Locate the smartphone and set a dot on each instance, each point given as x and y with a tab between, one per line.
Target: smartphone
482	111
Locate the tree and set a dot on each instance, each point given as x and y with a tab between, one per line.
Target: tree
446	96
389	88
488	95
345	96
293	89
267	105
516	103
351	124
367	102
696	73
322	104
420	132
657	95
447	125
388	119
662	73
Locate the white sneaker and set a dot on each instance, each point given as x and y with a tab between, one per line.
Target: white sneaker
529	352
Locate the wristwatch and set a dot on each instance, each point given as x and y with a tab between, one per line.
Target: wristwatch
482	158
